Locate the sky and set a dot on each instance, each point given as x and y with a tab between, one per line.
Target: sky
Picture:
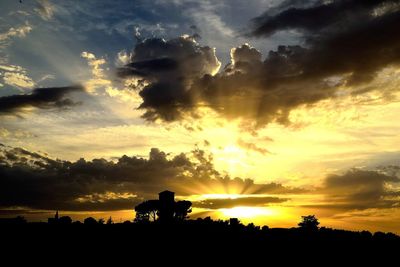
265	110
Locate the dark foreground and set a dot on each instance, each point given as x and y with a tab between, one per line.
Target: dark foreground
194	240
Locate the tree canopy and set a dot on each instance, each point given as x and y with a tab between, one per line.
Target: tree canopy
149	210
309	222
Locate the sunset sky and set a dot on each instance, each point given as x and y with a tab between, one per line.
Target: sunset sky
264	110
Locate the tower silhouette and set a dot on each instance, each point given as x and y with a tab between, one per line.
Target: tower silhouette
167	203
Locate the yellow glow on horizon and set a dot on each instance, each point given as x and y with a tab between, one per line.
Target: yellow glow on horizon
272	216
247	212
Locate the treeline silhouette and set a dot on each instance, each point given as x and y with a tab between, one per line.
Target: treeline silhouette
164	226
192	236
307	229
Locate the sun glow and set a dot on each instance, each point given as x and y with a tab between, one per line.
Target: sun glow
247	212
231	158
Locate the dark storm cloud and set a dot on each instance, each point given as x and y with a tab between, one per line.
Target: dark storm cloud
347	41
33	181
149	66
43	98
315	17
360	189
261	91
357	37
170	68
226	203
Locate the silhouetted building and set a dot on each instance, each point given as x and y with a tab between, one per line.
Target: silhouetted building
53	220
166	196
167	205
164	209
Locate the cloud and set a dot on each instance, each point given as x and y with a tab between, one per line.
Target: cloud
12	68
45	9
21	31
169	68
43	98
18	80
346	44
100	83
99	79
95	63
226	203
35	181
7	37
205	13
318	15
14	134
342	37
16	76
360	189
247	88
244	59
122	58
45	78
253	147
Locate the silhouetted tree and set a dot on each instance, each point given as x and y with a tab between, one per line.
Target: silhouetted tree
234	222
141	215
153	209
147	211
309	222
101	221
182	209
90	221
252	227
109	221
366	234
